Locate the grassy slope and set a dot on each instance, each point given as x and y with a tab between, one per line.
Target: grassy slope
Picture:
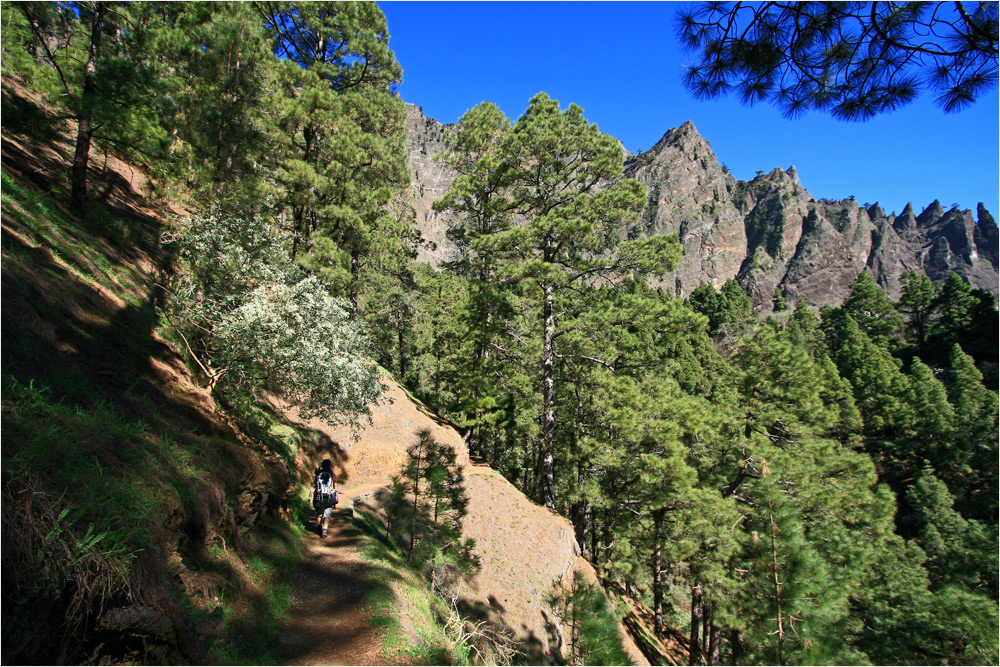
126	494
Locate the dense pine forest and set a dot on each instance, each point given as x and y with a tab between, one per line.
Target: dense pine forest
813	487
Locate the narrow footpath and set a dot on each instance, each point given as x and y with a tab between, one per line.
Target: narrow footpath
327	623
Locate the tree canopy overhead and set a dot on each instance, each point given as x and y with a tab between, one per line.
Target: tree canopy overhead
854	60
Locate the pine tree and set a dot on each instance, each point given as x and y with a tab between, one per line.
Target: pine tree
853	61
779	301
216	70
879	385
928	433
729	310
969	318
573	222
868	305
903	623
959	552
344	157
808	503
97	65
481	196
804	330
954	303
975	439
917	303
428	502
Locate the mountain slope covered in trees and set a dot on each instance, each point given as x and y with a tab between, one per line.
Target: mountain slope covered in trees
196	496
816	486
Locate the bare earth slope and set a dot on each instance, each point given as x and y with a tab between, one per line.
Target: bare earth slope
524	549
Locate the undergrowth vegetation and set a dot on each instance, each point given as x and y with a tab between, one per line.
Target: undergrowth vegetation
124	496
70	446
589	623
408	616
255	602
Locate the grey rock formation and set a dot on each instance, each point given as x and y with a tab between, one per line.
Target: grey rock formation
692	195
430	178
768	233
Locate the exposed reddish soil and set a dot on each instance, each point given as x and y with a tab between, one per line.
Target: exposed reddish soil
525	550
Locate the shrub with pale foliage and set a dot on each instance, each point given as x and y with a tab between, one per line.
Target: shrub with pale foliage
254	321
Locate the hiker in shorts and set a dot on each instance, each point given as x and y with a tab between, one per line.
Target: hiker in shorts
324	497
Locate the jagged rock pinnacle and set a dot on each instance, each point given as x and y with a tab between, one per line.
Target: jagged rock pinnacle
931	213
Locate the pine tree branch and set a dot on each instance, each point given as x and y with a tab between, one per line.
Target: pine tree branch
602	362
41	40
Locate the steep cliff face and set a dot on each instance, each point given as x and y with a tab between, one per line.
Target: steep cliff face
430	178
691	194
768	233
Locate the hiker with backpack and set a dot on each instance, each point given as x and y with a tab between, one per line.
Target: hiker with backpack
325	494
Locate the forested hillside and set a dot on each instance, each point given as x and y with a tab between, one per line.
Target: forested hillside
814	487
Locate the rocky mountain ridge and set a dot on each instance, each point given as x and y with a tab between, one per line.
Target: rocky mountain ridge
430	178
768	233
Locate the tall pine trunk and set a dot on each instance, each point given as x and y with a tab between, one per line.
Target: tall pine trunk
80	158
610	525
694	655
736	647
479	355
548	399
528	467
775	570
355	275
85	128
595	553
658	571
706	622
400	341
298	225
581	513
714	644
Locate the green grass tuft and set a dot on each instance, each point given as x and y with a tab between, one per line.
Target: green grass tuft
400	592
253	609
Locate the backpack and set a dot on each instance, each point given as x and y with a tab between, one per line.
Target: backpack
325	492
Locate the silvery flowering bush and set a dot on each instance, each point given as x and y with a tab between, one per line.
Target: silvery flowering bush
254	321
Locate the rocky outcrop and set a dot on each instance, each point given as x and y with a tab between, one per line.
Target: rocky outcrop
768	233
430	178
692	195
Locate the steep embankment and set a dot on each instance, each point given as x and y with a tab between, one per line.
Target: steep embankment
525	550
130	502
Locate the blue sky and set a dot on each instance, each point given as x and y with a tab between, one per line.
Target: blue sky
621	63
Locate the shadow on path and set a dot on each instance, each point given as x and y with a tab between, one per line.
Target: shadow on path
327	620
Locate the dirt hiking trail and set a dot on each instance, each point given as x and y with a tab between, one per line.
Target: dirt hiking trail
525	551
327	621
